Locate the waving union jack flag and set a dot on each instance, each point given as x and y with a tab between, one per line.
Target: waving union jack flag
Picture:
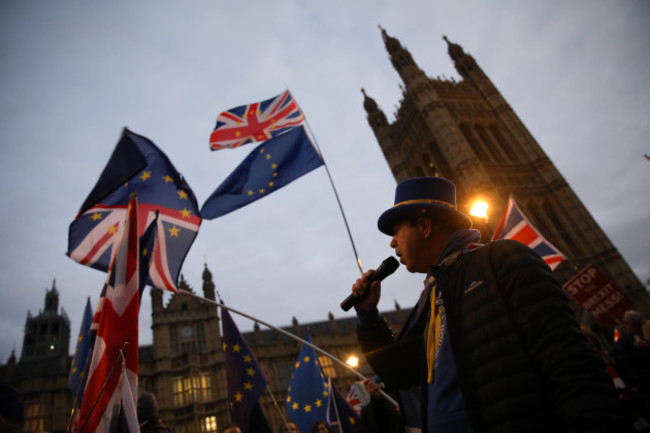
137	165
514	225
258	121
115	327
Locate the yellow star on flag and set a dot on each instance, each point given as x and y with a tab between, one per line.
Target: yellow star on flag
306	359
111	229
319	403
239	396
295	406
307	408
182	194
250	371
186	213
145	175
96	216
236	347
173	232
167	178
247	359
248	386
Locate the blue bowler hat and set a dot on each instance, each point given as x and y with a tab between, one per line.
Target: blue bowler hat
423	196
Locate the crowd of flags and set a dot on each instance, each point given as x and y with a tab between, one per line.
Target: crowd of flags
138	223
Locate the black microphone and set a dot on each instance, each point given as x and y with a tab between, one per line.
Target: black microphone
386	268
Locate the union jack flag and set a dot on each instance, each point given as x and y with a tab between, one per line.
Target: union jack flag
514	225
258	121
115	328
143	168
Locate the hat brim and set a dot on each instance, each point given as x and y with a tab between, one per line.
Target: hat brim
387	220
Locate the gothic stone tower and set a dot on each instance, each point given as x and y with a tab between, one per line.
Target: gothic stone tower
184	368
467	132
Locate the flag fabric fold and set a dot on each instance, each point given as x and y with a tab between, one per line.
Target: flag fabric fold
115	325
80	359
143	168
309	390
340	413
246	380
256	122
270	166
514	225
128	421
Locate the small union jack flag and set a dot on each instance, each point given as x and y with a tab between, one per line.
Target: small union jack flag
514	225
256	122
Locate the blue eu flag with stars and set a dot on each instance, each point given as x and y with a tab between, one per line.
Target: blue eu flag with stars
309	391
79	367
246	381
270	166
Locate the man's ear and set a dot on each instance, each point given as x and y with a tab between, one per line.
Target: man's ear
425	225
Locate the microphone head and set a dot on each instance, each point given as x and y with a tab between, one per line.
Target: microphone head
391	264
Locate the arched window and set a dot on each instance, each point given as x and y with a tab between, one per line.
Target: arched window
503	143
477	146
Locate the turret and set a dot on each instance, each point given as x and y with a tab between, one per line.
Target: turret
208	284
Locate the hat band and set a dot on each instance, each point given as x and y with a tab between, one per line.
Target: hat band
444	203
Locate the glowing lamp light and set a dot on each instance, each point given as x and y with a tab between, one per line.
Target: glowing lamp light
353	361
479	209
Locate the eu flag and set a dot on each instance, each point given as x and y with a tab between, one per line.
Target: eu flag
246	381
137	165
340	414
78	368
270	166
309	391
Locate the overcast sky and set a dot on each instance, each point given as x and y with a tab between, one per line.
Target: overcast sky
73	74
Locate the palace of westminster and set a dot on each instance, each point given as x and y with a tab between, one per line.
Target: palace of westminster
462	130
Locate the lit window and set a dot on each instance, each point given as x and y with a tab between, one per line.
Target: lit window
209	424
191	389
327	366
33	417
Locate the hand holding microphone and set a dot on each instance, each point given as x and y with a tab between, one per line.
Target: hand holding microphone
386	268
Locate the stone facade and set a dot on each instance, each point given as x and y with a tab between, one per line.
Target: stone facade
466	131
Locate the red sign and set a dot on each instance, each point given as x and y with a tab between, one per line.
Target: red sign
593	290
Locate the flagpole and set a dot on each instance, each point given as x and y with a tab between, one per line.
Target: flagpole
288	334
336	408
76	399
277	406
101	391
336	194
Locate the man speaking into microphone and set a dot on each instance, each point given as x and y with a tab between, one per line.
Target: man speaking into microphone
492	342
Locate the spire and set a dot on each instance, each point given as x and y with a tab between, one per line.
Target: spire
208	284
401	59
182	285
455	51
464	63
376	116
52	299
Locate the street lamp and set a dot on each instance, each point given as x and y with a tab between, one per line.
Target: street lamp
479	209
352	361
